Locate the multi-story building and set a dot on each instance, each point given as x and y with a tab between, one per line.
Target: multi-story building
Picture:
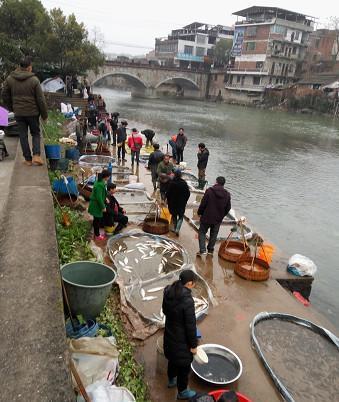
323	53
269	47
192	45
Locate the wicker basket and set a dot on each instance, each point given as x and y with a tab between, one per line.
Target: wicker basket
65	201
85	191
232	250
243	268
159	227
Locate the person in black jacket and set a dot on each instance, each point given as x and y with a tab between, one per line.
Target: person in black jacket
149	134
121	140
114	213
154	159
114	124
177	196
180	144
203	154
180	337
214	206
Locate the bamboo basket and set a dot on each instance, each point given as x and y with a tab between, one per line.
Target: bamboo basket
232	250
155	225
85	191
252	268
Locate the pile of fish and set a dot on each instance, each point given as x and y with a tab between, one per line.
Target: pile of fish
146	264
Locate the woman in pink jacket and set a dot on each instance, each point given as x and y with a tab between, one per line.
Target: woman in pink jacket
135	143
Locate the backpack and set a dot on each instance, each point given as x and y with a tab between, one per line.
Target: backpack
202	398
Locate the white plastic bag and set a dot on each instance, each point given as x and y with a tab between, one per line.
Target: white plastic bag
303	265
102	391
136	186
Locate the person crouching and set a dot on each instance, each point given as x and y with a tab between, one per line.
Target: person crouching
114	213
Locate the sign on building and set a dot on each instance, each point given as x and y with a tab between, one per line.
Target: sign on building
238	41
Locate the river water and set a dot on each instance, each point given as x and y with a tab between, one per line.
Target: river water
281	169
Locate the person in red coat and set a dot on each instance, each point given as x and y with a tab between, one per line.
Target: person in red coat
135	143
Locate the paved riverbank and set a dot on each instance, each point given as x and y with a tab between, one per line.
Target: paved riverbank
33	354
228	323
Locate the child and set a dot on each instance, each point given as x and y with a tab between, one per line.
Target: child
97	202
114	213
135	143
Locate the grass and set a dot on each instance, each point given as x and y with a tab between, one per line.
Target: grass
73	246
52	130
131	373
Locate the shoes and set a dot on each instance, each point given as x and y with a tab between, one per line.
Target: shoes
187	394
172	382
27	163
201	253
100	237
124	160
37	161
210	252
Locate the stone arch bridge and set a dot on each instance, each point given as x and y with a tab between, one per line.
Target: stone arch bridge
148	81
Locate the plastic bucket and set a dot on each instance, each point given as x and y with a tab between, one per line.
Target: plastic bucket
60	187
53	151
72	154
88	285
63	164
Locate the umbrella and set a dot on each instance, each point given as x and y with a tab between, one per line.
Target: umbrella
3	117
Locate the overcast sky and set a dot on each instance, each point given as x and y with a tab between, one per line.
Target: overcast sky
130	26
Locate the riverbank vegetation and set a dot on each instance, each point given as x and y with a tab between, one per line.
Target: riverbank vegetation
74	245
65	49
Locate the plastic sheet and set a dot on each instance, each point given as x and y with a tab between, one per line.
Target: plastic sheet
300	265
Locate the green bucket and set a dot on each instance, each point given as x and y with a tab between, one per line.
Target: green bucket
87	285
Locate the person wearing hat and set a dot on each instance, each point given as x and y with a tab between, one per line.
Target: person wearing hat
121	140
177	196
180	336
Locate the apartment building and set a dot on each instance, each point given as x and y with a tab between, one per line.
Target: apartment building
192	45
269	47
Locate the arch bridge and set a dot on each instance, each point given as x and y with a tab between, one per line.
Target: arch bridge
149	81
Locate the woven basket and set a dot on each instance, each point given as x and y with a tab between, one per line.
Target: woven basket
161	226
85	191
261	271
233	251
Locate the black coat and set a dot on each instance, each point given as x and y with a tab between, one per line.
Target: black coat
177	196
180	325
215	205
121	134
203	158
181	141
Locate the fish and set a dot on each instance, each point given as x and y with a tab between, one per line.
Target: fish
134	237
142	292
149	298
121	263
178	265
162	315
152	253
145	257
161	267
120	248
130	251
125	260
174	252
157	289
115	252
165	259
127	270
136	260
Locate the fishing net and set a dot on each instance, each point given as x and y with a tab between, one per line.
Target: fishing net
95	160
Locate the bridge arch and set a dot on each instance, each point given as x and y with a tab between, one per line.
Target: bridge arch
131	78
182	81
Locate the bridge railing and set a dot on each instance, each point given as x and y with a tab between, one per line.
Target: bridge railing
200	70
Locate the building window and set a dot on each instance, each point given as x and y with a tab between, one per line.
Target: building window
251	31
250	46
277	80
317	43
279	29
215	77
188	49
238	78
201	39
231	80
294	50
314	57
259	65
297	35
200	51
292	36
242	80
272	68
225	77
256	80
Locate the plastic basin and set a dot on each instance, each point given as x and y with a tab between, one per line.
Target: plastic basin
53	151
88	285
217	394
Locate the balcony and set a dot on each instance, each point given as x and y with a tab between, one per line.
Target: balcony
247	88
247	71
189	57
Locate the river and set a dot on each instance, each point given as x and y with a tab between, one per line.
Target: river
282	171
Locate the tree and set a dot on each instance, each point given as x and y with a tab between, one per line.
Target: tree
10	55
222	52
67	46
